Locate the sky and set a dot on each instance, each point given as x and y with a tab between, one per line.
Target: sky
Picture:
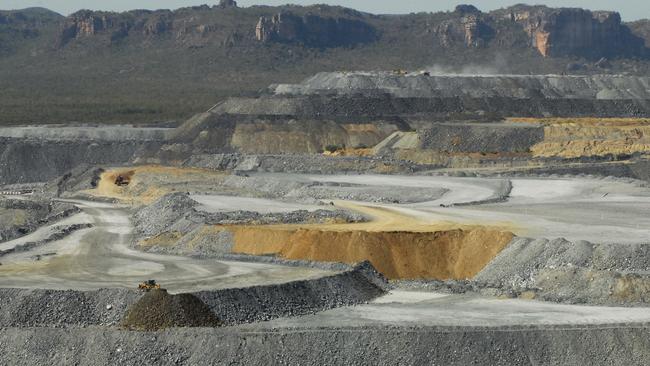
629	9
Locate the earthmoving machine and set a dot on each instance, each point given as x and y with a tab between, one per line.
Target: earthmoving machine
149	285
122	181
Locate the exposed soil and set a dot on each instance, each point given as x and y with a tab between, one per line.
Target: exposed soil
452	254
149	183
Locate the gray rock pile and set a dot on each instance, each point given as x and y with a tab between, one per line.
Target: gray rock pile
573	272
178	214
164	214
260	303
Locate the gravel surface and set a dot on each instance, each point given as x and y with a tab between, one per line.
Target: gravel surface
565	345
54	308
58	233
33	214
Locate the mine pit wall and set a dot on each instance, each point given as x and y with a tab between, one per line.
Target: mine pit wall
316	164
457	107
452	254
483	138
594	138
28	160
273	134
614	344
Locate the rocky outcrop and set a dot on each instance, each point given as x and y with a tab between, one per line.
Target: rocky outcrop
468	27
552	32
576	32
87	23
156	25
313	30
641	28
183	26
227	4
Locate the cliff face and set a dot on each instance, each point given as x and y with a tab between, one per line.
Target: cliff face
576	32
641	28
188	26
468	26
173	62
313	30
115	26
552	32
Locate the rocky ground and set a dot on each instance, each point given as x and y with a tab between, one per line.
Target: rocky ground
485	241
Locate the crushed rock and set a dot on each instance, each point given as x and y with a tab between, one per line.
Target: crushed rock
572	272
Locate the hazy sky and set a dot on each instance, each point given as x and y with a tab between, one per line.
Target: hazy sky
630	9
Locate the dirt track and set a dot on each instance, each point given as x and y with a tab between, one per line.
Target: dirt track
100	257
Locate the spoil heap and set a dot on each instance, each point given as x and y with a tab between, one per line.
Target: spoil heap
158	310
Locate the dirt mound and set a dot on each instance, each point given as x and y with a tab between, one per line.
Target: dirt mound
157	310
148	183
445	254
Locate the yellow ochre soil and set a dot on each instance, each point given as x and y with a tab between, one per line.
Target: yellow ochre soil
150	182
399	246
577	137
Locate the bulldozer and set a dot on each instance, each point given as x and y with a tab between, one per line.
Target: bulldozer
149	285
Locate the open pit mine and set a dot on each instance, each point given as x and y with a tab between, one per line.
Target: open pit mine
353	218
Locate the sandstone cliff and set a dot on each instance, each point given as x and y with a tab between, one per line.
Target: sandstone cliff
149	66
468	26
313	30
110	27
561	32
576	32
641	28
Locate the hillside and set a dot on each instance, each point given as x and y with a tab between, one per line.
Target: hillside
150	66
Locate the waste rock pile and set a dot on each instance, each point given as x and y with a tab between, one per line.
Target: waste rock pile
158	309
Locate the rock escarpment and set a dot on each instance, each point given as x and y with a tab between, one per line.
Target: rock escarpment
469	27
576	32
313	30
86	23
